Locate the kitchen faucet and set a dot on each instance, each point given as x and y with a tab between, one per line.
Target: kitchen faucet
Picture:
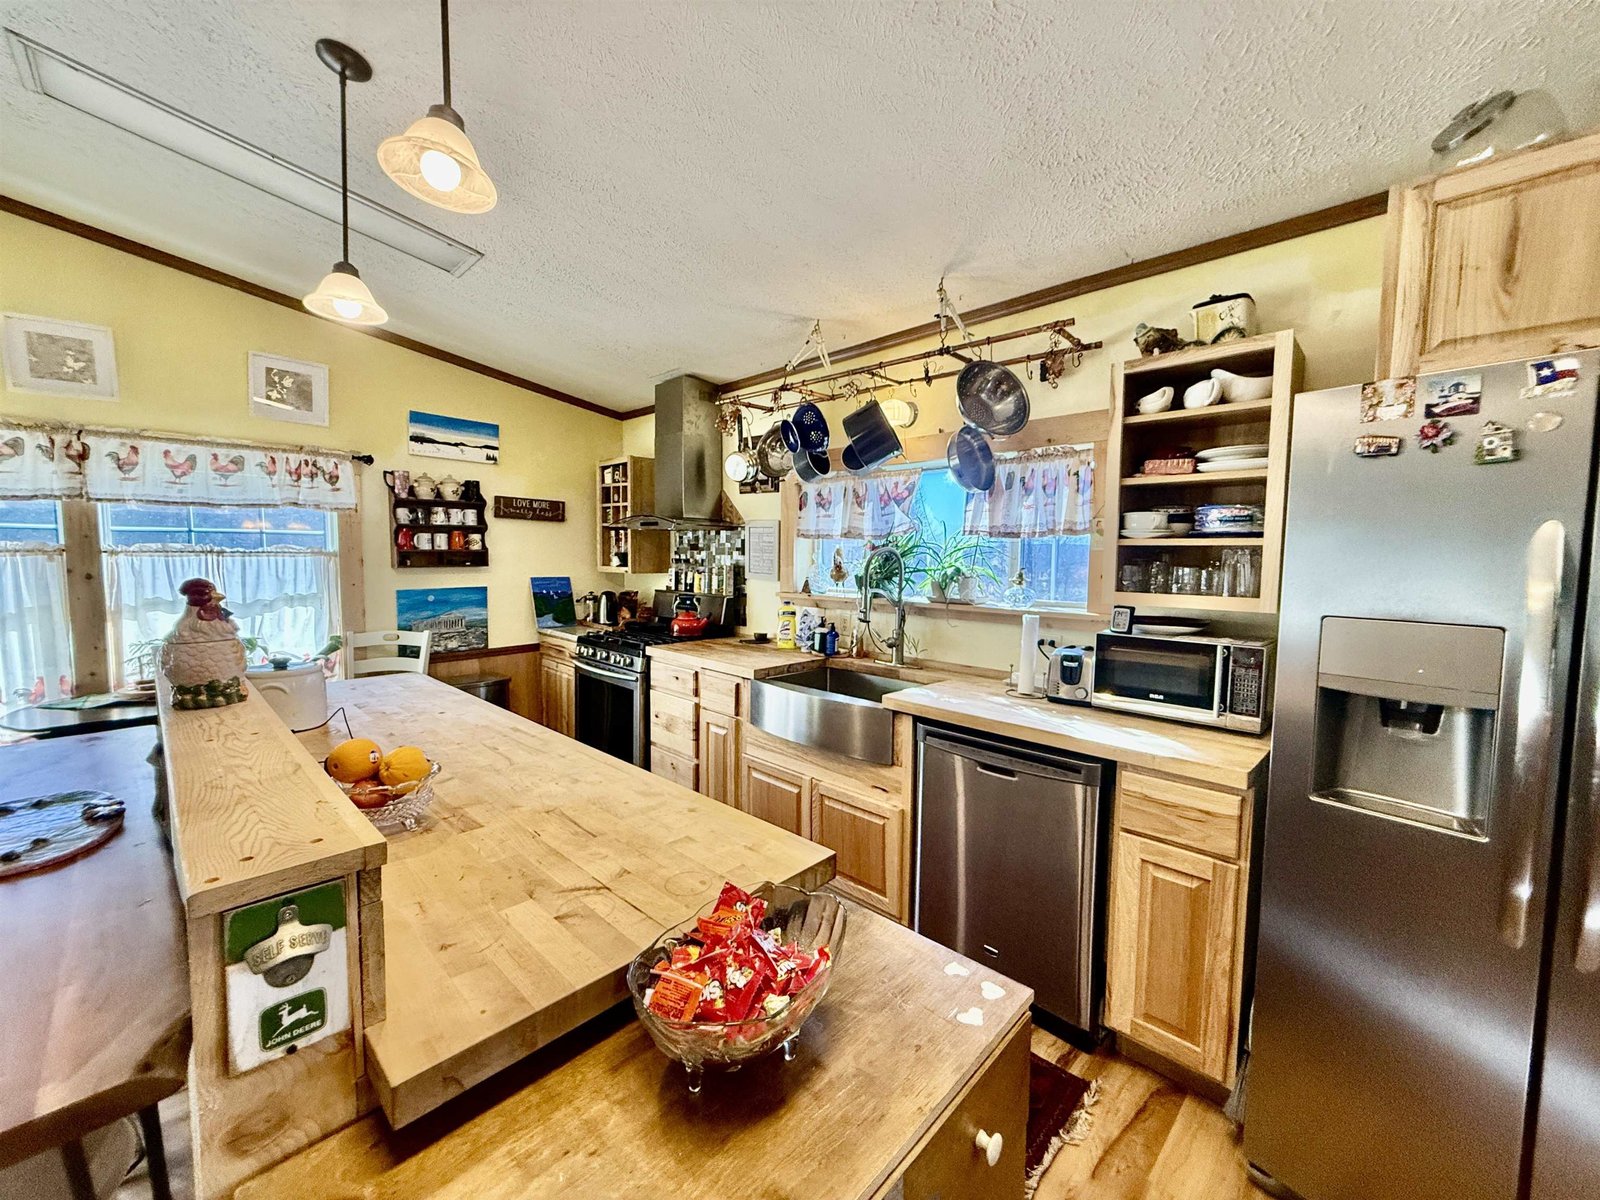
897	642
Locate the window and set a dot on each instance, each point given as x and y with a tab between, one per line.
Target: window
1055	567
276	566
35	637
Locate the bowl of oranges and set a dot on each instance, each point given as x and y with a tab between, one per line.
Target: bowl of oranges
394	789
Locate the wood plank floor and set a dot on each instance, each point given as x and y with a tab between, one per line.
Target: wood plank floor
1149	1139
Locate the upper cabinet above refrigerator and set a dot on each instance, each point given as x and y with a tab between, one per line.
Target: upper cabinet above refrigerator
1493	262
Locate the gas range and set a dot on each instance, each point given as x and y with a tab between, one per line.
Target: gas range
626	648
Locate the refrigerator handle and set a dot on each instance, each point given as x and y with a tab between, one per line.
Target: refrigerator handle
1546	565
1586	958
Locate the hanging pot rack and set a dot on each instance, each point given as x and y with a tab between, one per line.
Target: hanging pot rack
1062	339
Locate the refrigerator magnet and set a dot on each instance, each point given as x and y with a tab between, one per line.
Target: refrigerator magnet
1377	445
1497	443
1455	395
1388	399
1551	377
1434	436
1545	421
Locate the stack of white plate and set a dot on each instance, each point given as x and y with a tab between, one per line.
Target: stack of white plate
1233	458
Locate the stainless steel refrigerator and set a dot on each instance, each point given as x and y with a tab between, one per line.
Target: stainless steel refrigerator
1427	1008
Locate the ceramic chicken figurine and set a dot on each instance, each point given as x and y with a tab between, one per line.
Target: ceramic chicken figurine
203	656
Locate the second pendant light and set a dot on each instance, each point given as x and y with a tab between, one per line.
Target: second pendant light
434	159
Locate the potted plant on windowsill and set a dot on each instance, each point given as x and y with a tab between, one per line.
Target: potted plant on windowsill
957	564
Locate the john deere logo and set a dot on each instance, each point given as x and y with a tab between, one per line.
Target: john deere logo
293	1019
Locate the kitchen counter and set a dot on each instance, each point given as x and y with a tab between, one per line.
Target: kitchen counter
567	635
604	1114
1192	751
732	657
510	917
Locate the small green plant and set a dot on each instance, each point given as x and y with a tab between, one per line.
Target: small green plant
952	557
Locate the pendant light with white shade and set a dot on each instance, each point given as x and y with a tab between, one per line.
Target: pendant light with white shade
433	159
341	296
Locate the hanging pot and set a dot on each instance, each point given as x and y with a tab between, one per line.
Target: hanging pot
772	457
873	440
971	459
990	397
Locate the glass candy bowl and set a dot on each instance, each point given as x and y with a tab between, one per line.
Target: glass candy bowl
810	919
403	806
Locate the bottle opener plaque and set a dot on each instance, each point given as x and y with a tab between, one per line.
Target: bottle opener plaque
287	973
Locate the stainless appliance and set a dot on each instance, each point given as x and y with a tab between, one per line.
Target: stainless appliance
1008	864
1069	677
1226	682
688	457
1428	971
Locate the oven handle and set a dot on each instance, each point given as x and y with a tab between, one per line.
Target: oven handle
599	672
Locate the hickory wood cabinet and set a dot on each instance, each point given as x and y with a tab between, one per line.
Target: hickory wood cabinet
557	680
1493	262
1175	930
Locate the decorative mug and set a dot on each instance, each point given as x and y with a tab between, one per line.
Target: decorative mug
402	516
471	492
439	516
405	540
450	488
424	488
469	516
458	540
453	517
474	541
424	541
400	481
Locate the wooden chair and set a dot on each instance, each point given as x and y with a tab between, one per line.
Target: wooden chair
388	660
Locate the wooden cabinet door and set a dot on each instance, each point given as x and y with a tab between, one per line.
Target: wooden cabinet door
773	792
719	756
1494	262
868	833
565	686
1171	948
557	678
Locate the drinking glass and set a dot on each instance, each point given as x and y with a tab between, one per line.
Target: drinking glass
1133	577
1186	581
1211	578
1161	573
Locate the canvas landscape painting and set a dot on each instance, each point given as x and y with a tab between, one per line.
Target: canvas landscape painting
457	617
552	601
435	436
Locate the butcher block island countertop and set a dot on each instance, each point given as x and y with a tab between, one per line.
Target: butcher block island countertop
510	917
883	1099
1193	751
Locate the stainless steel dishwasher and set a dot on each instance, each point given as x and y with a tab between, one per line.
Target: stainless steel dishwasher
1009	863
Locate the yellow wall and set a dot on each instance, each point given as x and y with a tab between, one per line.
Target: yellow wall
1324	286
182	345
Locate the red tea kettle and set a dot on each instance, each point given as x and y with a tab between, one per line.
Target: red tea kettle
687	621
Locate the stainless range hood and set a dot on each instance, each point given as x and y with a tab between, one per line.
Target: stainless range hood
688	458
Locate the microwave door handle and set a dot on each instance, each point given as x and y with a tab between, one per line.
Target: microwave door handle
1546	566
1219	699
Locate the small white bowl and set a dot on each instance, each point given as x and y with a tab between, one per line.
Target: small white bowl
1157	401
1239	388
1203	394
1144	520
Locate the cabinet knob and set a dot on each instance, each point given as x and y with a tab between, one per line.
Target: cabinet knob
991	1144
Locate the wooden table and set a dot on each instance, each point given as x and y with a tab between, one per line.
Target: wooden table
94	985
63	722
887	1088
511	916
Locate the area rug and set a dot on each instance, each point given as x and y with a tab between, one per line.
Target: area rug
1059	1112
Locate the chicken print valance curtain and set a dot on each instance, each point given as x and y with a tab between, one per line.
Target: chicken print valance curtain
862	506
1043	493
45	463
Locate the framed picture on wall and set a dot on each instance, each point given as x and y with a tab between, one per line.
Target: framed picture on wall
59	358
286	390
458	617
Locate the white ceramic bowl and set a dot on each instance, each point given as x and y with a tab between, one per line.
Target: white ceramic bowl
1157	401
1203	394
1143	521
1239	388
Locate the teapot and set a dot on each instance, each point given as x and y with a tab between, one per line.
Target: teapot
450	488
424	488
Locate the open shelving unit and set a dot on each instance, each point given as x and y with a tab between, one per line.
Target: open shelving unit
441	557
627	488
1137	436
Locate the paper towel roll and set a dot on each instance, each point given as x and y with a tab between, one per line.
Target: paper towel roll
1028	655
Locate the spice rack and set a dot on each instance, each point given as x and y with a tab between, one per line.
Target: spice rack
1136	437
446	557
627	488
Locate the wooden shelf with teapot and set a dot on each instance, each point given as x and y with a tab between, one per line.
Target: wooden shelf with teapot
436	523
1201	437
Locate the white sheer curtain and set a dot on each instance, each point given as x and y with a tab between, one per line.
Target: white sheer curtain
35	639
287	599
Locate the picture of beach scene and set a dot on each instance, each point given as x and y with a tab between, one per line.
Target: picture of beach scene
457	617
435	436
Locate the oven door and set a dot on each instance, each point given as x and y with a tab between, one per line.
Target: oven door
1159	676
608	712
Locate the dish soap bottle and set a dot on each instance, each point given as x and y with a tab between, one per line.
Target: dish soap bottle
833	641
788	622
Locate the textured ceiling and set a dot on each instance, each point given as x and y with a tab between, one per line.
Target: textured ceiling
685	185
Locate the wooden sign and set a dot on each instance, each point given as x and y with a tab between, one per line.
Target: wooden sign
521	508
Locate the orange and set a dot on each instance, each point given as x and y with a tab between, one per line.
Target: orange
353	761
404	765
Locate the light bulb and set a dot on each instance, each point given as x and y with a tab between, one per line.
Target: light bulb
440	170
348	309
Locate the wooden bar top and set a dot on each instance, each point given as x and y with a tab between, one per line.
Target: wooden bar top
1192	751
605	1114
94	987
730	656
253	813
511	916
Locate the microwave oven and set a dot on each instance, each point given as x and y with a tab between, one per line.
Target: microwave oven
1222	682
